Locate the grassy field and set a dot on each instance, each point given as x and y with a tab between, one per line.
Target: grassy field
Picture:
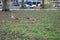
45	25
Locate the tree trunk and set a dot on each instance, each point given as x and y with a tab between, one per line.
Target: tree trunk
56	3
42	3
5	5
22	4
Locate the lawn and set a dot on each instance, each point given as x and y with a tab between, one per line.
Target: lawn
31	25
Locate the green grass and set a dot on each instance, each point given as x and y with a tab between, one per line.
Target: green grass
46	26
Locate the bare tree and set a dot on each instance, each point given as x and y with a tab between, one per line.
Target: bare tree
5	5
56	3
22	4
42	3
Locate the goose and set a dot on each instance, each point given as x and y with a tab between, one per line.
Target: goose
14	18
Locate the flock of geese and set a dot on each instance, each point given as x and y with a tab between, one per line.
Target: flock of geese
29	18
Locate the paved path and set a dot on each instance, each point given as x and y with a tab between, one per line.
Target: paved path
31	9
